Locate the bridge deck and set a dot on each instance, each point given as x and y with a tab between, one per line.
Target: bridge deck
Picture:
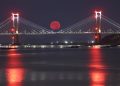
58	33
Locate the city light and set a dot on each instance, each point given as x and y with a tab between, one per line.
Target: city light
66	42
92	41
71	42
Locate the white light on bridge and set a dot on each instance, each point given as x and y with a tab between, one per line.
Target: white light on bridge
99	30
16	32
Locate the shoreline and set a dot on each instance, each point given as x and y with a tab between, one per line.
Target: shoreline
54	46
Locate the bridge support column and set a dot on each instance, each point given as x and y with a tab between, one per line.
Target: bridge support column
97	35
14	29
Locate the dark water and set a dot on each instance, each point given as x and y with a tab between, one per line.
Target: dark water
60	67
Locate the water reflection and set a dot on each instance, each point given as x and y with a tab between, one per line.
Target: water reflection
97	72
14	71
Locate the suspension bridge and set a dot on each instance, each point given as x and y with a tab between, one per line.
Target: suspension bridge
16	28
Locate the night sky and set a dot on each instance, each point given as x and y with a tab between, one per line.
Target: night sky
67	12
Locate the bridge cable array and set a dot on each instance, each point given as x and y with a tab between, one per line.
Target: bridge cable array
87	25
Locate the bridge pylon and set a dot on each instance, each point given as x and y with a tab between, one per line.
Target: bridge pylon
97	35
14	29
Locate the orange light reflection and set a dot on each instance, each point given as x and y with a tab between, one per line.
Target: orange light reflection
97	72
15	71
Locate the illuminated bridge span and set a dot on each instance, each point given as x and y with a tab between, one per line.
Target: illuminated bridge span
96	25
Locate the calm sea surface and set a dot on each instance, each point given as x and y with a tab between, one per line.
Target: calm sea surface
60	67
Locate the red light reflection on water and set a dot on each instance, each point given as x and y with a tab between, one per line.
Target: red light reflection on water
97	73
15	71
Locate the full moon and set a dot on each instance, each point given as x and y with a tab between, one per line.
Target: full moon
55	25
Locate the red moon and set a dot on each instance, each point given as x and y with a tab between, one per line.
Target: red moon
55	25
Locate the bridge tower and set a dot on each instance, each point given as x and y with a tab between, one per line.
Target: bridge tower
14	29
97	35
